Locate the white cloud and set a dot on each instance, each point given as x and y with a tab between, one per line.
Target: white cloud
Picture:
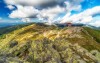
96	23
11	7
26	8
26	20
86	19
51	13
83	17
24	2
73	5
33	2
24	12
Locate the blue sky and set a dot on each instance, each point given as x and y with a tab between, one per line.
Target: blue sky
50	11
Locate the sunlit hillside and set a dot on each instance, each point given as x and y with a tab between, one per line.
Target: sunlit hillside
41	43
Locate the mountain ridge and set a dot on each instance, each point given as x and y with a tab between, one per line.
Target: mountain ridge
40	43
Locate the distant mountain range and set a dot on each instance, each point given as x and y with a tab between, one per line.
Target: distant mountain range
93	27
60	25
8	24
78	25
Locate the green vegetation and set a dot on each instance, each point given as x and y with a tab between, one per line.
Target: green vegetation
94	33
9	29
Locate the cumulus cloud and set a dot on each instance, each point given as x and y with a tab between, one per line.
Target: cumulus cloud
50	13
11	7
30	8
24	12
42	9
34	2
96	23
31	12
73	5
83	17
49	10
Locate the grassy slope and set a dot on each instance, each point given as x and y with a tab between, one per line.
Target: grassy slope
37	42
94	33
6	30
88	41
33	32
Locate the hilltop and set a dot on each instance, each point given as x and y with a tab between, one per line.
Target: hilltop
41	43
